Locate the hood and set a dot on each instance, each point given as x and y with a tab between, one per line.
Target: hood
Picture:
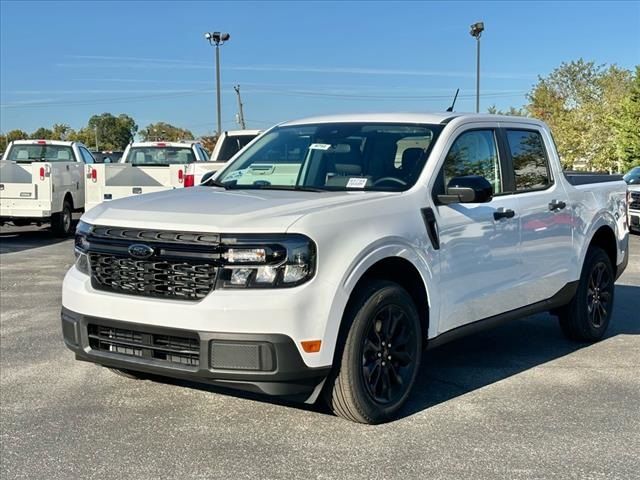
210	209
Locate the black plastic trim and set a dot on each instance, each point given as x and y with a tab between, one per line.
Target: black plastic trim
563	297
432	226
587	178
290	377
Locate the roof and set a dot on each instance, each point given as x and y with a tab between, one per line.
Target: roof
240	133
161	143
418	118
38	141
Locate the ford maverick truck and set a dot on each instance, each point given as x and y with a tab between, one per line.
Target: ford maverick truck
328	254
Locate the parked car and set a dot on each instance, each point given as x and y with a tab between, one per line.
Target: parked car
331	251
632	177
231	142
42	182
148	167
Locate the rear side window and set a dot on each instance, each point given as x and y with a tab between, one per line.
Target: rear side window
530	163
86	156
40	153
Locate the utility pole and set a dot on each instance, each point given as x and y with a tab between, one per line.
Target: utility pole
243	126
476	32
217	39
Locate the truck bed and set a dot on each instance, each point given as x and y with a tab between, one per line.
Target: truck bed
585	178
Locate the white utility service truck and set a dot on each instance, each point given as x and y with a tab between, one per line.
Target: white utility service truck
148	167
42	182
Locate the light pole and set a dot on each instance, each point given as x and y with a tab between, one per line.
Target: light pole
217	39
476	31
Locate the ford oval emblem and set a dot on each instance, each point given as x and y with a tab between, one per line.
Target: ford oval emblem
138	250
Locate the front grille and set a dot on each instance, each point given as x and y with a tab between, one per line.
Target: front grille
156	277
182	350
635	201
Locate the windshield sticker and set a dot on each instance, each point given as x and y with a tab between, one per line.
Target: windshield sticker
319	146
357	182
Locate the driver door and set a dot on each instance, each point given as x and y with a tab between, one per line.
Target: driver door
480	266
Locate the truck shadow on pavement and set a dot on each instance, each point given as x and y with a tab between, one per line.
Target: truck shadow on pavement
473	362
18	239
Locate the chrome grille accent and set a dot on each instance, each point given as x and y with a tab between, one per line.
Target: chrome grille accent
635	201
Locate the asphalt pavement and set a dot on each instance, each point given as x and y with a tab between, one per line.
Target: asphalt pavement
516	402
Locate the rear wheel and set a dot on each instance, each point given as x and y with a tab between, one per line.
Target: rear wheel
380	356
587	316
61	222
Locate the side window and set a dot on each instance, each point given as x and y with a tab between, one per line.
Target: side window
474	153
529	160
203	153
86	156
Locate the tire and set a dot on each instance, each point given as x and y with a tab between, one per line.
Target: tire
130	374
61	223
587	316
364	385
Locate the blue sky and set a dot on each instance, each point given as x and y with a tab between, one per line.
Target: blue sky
65	61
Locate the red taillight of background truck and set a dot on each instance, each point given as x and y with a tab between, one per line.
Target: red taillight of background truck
189	180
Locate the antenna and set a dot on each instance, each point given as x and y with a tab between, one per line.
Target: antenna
450	109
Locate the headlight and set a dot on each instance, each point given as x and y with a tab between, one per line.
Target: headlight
81	246
266	261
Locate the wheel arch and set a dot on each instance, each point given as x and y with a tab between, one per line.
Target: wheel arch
605	238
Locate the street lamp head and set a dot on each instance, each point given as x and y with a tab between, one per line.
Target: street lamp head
217	37
477	29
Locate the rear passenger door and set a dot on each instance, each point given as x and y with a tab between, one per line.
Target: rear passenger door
480	263
545	213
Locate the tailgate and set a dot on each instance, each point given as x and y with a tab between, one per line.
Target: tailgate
120	180
20	181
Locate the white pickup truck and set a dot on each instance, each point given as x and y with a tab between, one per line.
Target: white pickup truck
42	181
331	251
147	167
231	142
633	180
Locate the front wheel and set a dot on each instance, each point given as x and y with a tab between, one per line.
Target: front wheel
380	356
587	316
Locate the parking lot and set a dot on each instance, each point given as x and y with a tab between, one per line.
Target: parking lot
519	401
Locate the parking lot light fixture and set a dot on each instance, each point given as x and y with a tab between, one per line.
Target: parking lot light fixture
476	31
217	39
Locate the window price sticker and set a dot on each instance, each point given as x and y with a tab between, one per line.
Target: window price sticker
357	182
319	146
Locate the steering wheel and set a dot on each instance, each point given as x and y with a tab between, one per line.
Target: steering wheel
390	179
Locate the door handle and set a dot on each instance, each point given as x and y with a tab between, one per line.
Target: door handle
503	213
556	205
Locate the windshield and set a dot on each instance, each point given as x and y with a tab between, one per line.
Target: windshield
161	156
40	153
233	144
334	156
633	176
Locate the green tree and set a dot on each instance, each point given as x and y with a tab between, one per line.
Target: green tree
580	101
10	137
42	133
628	126
164	131
513	111
61	131
113	133
208	142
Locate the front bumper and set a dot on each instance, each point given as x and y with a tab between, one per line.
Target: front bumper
634	221
262	363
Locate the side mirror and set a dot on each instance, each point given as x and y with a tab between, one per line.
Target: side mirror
467	189
207	176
